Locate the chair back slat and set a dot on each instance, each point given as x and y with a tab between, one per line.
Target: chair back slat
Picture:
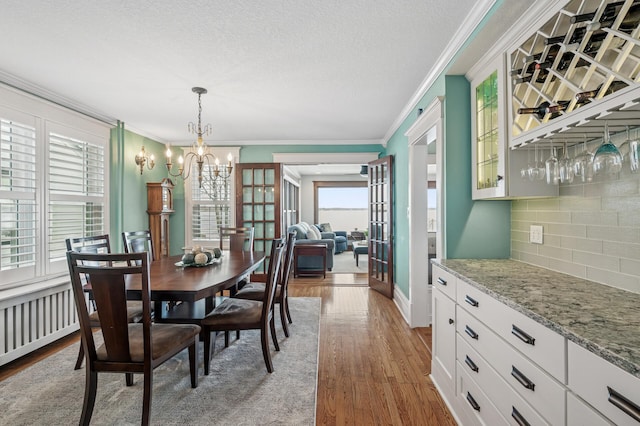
108	275
240	239
138	242
275	263
287	264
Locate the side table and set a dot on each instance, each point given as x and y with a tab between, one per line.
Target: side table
310	250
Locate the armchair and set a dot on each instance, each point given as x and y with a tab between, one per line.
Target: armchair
339	237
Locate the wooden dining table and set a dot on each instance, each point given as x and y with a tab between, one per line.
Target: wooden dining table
189	290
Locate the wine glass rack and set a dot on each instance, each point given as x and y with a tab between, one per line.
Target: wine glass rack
588	45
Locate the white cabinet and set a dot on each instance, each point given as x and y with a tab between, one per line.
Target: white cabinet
580	414
444	344
496	169
612	391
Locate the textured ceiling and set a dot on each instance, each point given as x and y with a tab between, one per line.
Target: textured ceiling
288	70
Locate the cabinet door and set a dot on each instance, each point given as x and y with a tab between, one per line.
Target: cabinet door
444	343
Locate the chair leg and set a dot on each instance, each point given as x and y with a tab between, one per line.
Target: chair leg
266	354
286	304
129	379
193	362
146	398
80	357
285	325
208	350
91	384
272	326
226	339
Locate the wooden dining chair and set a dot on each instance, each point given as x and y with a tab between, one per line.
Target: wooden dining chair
238	238
138	242
241	314
255	290
99	244
128	348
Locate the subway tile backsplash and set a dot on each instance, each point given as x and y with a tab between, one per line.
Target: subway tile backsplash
591	231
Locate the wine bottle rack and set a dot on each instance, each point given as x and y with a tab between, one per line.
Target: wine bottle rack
580	57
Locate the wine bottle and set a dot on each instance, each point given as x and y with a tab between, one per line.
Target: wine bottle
551	54
566	59
540	111
540	78
560	106
609	11
613	87
524	71
628	24
576	37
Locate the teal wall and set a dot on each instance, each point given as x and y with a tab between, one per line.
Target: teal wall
128	188
473	229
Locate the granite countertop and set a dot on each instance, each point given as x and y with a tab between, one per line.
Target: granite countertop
602	319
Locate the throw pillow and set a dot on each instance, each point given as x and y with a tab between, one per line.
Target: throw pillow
313	231
326	227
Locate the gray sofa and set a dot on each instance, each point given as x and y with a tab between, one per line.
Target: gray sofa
306	235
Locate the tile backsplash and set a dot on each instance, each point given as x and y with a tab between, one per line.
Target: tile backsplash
591	231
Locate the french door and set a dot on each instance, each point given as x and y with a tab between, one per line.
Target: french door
258	205
381	225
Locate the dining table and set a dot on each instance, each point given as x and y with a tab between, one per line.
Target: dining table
185	294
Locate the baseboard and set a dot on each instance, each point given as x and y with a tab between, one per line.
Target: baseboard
402	303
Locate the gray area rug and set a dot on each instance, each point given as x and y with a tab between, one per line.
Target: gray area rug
238	390
345	263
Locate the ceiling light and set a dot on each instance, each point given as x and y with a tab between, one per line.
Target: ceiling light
218	175
364	170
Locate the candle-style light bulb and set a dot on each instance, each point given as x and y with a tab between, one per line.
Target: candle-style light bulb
180	160
168	153
229	158
200	151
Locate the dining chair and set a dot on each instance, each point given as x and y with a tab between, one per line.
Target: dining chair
255	290
238	238
242	314
128	348
138	242
99	244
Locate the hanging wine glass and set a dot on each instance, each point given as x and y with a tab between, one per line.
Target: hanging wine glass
607	159
583	163
551	167
524	171
634	154
624	149
536	169
565	167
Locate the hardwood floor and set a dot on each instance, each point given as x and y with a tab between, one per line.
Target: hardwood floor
373	368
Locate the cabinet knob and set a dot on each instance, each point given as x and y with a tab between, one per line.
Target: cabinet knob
500	177
450	320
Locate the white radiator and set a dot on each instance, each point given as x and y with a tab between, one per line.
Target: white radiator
30	321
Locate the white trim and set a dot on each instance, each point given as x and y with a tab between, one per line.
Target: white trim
402	303
428	125
307	142
467	28
329	158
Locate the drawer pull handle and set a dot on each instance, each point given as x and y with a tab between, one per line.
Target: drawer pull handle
522	379
470	332
450	320
473	402
442	281
473	302
518	417
522	335
472	365
627	406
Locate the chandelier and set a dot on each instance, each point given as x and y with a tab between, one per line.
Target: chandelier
218	175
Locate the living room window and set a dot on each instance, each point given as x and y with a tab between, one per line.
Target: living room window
53	184
343	204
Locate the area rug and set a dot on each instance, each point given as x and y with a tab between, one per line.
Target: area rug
345	263
238	390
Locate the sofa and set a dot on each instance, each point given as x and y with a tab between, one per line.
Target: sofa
340	237
306	234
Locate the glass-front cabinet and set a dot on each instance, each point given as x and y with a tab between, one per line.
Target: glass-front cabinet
496	169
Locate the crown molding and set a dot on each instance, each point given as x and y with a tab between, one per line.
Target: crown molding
467	28
53	97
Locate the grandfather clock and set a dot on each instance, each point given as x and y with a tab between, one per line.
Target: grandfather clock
159	207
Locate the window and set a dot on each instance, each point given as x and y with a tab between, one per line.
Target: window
343	204
208	207
53	184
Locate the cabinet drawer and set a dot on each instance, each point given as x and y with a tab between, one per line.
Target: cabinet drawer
609	389
543	346
528	380
476	405
509	404
580	414
444	281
